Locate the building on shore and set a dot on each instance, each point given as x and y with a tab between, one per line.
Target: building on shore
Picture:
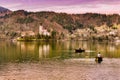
43	31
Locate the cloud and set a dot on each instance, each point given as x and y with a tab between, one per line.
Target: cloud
12	6
101	8
68	6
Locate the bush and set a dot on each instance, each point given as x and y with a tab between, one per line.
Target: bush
25	20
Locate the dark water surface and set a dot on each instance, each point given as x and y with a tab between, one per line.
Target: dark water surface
35	51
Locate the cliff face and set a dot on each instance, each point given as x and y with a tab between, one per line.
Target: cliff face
74	26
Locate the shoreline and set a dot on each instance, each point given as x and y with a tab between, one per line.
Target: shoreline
71	69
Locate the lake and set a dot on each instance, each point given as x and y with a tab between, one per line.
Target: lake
57	60
50	50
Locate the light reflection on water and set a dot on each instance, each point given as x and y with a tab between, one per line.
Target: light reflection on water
44	51
35	51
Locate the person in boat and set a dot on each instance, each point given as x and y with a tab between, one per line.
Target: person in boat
99	58
79	50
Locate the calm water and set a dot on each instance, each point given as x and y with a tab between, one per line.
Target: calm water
35	51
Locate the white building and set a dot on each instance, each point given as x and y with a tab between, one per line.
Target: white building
43	31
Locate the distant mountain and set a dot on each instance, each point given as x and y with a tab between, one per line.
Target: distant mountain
73	26
4	11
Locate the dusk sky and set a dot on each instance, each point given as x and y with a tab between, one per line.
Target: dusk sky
67	6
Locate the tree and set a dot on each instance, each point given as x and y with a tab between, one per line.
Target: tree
53	34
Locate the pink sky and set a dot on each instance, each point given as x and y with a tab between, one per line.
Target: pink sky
67	6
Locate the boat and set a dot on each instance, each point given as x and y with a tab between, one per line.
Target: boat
79	50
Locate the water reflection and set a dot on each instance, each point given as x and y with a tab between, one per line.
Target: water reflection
44	50
34	51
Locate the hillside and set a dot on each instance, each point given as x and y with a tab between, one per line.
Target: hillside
66	26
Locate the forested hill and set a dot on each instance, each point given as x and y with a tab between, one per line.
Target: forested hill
76	26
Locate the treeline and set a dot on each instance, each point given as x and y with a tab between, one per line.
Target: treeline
38	37
75	21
